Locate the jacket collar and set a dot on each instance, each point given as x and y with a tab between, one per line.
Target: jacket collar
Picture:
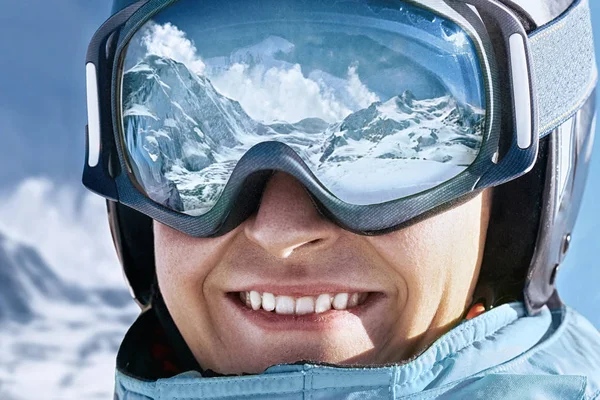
493	338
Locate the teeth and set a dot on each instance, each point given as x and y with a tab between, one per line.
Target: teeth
340	301
268	301
288	305
245	297
362	297
323	303
353	300
255	300
285	305
305	305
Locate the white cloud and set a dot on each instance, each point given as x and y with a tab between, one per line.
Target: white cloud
278	94
358	91
70	233
168	41
271	91
285	94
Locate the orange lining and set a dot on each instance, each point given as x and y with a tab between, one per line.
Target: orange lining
475	311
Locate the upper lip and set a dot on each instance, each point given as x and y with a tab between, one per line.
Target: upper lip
303	289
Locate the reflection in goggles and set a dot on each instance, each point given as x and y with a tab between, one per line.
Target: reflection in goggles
188	119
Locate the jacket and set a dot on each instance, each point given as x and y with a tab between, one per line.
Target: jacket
501	354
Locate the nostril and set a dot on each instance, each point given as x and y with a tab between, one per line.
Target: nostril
315	244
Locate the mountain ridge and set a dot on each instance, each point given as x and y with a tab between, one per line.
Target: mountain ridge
28	284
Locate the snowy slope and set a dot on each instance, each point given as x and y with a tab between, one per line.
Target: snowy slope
57	340
26	281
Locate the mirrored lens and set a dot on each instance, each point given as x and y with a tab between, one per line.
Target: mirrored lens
381	100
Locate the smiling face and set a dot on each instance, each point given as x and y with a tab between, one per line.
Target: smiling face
338	297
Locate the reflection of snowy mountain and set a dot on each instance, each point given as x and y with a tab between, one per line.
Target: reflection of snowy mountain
404	128
181	123
181	100
57	340
186	137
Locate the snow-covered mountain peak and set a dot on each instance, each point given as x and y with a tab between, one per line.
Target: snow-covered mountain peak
159	83
403	127
27	282
398	107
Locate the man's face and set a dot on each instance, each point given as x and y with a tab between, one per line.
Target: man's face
413	284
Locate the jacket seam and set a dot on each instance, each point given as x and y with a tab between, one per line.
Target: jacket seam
391	387
271	392
307	392
526	356
458	351
582	388
165	382
233	396
595	396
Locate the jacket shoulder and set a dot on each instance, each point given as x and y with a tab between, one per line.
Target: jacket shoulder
571	348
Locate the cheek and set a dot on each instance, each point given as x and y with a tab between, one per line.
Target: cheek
184	264
438	257
451	237
175	260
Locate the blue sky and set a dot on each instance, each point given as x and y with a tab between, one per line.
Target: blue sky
42	86
42	119
579	277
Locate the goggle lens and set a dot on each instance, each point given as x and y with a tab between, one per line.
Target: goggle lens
381	100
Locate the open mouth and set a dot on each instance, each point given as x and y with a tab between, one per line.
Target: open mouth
291	305
309	312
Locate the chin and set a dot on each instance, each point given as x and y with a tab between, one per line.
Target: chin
294	351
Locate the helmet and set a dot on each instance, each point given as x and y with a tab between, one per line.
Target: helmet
532	216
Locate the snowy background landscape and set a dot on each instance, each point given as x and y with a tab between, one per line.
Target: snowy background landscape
63	304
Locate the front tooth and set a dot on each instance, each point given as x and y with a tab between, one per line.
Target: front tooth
323	303
340	301
284	305
247	299
353	300
268	301
255	300
305	305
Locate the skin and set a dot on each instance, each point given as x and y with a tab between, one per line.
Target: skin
424	275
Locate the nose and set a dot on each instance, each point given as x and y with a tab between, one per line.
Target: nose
287	221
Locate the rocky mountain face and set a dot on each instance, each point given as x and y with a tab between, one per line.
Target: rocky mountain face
438	129
28	285
176	117
26	281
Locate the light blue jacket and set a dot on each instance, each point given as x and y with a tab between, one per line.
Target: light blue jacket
502	354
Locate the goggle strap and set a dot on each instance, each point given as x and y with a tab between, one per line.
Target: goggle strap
564	66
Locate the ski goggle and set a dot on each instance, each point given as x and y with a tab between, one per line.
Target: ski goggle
383	110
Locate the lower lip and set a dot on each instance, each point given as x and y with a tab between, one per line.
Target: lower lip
270	320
